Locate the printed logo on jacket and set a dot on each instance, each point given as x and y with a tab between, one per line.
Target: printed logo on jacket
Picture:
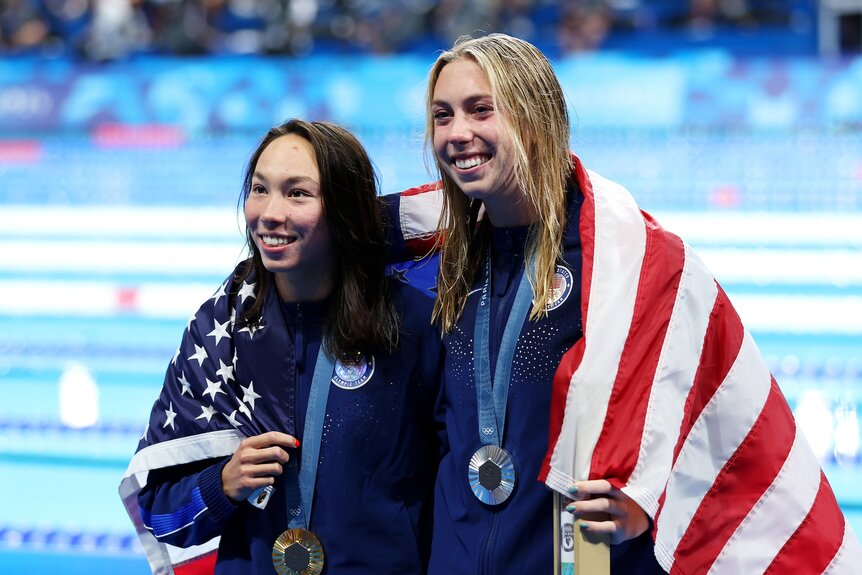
353	373
561	288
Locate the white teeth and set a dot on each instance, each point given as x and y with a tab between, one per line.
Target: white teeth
271	241
471	162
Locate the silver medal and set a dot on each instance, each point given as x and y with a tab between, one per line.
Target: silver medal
491	474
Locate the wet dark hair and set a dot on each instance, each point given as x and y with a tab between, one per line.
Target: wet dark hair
361	317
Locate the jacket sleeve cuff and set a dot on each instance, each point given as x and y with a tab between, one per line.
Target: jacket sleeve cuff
219	504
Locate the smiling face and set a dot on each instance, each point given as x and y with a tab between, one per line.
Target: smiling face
469	140
284	215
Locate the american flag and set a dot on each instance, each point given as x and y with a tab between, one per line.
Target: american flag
218	389
668	397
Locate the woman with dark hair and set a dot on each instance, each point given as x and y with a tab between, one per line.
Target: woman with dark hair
294	431
362	317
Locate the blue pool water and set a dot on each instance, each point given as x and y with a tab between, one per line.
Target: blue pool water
104	254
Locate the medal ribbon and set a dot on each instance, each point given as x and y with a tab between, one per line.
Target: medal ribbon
300	482
492	398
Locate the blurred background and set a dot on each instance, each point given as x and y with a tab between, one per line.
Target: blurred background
125	126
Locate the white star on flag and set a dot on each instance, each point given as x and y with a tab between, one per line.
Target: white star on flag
247	290
232	419
219	331
189	322
187	387
146	430
170	414
243	408
232	317
176	355
225	371
220	293
248	394
213	387
200	355
206	411
252	329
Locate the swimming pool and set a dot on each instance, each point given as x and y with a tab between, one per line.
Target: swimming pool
98	278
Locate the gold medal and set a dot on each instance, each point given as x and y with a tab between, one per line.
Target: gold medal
297	552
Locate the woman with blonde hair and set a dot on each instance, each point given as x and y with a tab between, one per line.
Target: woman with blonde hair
499	129
589	348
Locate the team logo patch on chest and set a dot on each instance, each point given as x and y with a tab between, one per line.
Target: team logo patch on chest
353	373
561	288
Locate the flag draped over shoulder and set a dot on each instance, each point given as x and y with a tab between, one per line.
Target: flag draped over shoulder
668	397
218	389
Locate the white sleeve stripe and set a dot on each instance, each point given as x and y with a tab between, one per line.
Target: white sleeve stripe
178	529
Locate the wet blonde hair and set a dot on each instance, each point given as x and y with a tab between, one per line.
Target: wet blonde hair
530	101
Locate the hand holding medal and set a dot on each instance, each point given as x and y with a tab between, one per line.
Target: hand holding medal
250	474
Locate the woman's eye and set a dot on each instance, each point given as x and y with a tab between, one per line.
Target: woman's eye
258	189
440	115
296	193
484	109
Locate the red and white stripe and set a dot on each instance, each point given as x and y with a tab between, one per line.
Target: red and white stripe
668	397
167	559
419	213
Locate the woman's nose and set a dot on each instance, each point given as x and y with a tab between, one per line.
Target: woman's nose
274	211
460	129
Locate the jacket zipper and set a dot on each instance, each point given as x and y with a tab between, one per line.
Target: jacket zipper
488	555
